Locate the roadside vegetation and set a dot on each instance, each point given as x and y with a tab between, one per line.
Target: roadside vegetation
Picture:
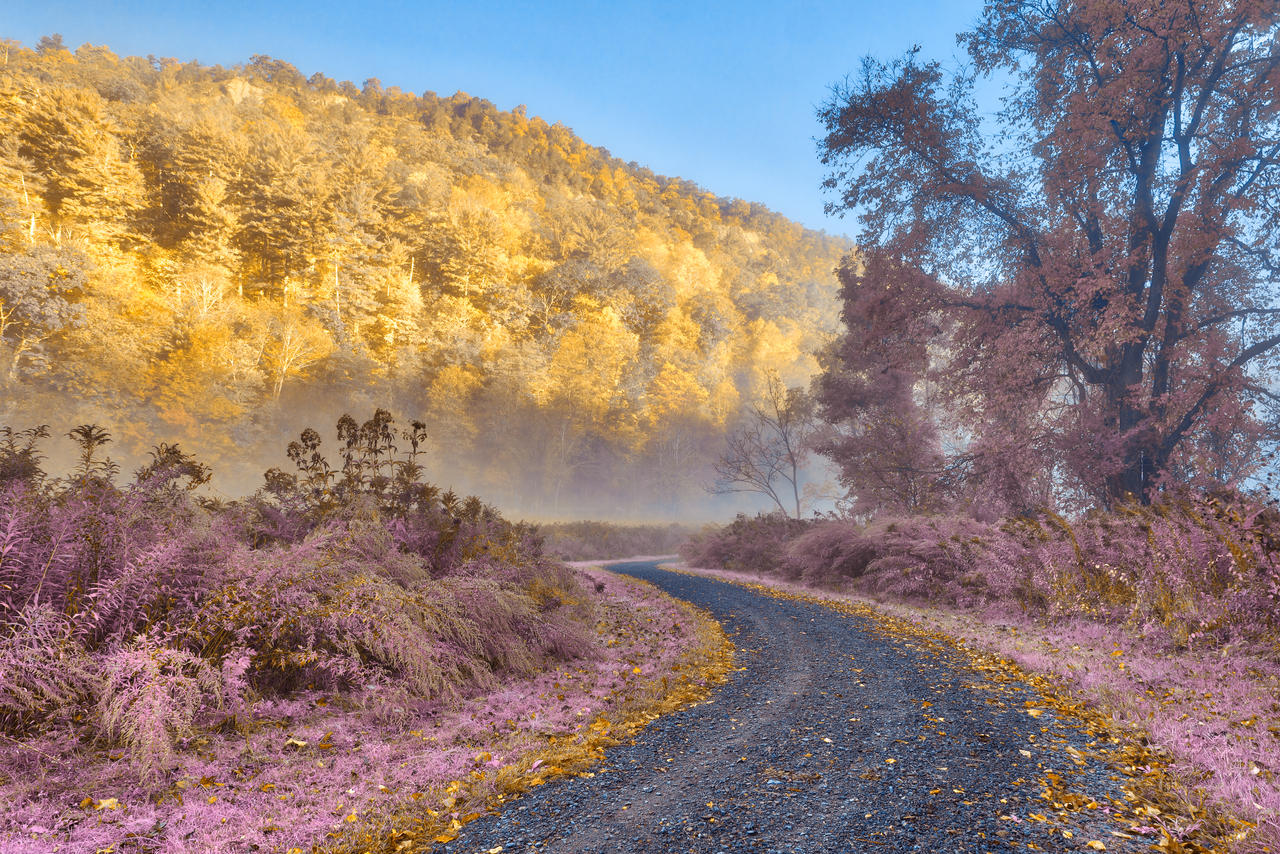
1164	617
194	674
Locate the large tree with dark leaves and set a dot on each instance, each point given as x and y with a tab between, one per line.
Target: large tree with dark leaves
1084	282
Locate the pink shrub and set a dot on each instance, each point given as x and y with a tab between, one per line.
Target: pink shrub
150	696
44	673
132	613
747	544
913	558
1197	569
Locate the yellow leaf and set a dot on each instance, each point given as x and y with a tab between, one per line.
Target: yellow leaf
86	802
1067	834
635	670
890	761
1035	713
107	804
1096	845
1025	752
445	837
351	818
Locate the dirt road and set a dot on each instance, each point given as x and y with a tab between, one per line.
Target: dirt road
831	737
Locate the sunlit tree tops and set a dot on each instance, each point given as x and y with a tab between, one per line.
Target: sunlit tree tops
225	250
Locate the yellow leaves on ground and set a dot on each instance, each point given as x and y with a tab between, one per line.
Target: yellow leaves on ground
1154	792
565	754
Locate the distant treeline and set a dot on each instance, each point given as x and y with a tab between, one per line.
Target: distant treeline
222	255
606	540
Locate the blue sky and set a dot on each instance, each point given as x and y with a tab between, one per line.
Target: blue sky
721	93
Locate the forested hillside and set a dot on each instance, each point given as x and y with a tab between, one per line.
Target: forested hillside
217	256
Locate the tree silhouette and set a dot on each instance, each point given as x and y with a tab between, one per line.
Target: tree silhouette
767	453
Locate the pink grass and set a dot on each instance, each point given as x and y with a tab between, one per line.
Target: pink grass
362	754
1215	710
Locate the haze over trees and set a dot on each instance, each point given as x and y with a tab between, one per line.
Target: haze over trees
1074	300
218	256
767	454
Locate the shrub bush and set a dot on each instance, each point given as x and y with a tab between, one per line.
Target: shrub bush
137	612
1194	567
747	544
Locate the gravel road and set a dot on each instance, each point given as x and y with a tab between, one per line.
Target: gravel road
830	737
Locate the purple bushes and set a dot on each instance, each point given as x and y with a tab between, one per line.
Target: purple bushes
913	558
1196	568
138	615
747	544
149	696
1165	617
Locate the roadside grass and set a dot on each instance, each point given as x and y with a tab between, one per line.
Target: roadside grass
662	655
1194	734
326	771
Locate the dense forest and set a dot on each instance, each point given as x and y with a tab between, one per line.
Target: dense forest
218	256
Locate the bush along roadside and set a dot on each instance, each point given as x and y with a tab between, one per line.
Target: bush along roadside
661	655
1159	622
197	675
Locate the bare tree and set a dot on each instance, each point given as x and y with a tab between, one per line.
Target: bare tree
767	453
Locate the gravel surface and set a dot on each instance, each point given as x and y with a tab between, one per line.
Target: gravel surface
830	737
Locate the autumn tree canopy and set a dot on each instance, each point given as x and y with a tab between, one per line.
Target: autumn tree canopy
221	255
1083	283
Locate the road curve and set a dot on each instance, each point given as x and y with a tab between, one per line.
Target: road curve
830	737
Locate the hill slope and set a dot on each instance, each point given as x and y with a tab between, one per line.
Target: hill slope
217	256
